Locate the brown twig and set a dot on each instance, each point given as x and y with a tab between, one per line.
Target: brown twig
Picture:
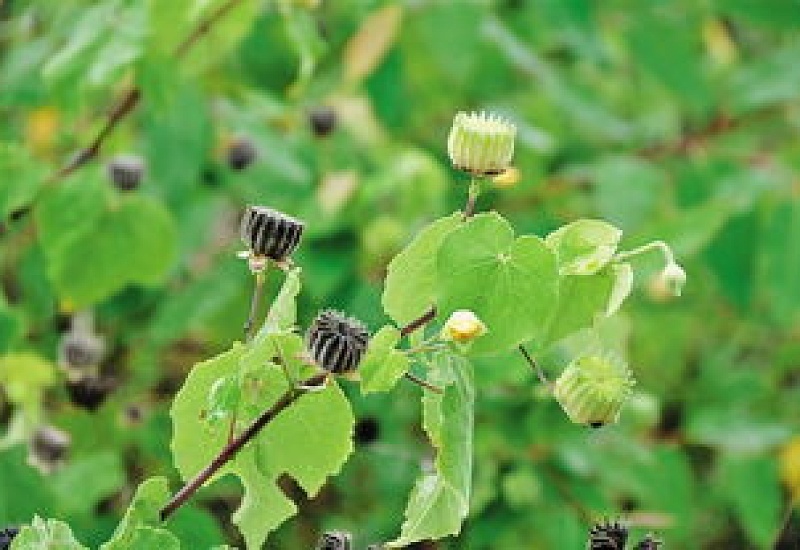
231	449
424	383
419	322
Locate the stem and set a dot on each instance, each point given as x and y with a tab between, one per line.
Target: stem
260	277
423	383
419	322
231	449
204	26
655	245
535	366
472	197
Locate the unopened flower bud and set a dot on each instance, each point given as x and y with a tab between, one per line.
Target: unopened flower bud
481	144
674	277
463	326
592	390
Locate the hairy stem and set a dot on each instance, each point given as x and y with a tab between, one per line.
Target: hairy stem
231	449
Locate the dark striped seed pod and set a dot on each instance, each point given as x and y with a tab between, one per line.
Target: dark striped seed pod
7	534
649	543
336	342
270	233
241	153
126	172
50	445
335	540
608	536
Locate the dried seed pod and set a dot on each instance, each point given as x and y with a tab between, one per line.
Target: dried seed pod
270	233
241	153
608	536
335	540
322	120
126	172
7	535
649	543
481	144
80	351
337	342
593	388
49	447
89	392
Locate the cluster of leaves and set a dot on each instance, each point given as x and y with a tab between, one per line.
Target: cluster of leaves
672	121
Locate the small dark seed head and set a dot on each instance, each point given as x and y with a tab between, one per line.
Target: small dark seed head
336	342
335	540
323	121
50	445
126	171
241	153
608	536
7	535
89	392
649	543
270	233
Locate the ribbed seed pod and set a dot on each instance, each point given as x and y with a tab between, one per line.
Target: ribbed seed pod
126	171
270	233
335	540
481	144
241	153
608	536
49	446
649	543
592	390
7	534
336	342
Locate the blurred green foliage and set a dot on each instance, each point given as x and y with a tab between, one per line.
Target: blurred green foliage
673	120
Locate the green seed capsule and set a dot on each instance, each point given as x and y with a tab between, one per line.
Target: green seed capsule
481	144
592	390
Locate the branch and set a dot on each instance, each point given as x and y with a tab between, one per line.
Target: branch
132	96
231	449
419	322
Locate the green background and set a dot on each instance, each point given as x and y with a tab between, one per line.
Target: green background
675	120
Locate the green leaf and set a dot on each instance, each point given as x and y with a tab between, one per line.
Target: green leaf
440	500
139	528
48	534
751	486
24	491
24	377
283	312
411	277
309	441
85	481
584	247
223	398
20	178
510	284
95	250
581	300
225	34
622	275
383	365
